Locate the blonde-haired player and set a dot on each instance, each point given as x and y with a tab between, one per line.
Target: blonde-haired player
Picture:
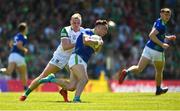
62	54
88	42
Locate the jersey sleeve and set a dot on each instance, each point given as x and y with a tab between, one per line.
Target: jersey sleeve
158	26
20	38
63	33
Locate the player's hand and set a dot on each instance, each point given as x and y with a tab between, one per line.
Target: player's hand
25	50
165	45
100	42
172	37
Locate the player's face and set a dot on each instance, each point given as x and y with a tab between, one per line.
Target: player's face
166	15
75	23
101	30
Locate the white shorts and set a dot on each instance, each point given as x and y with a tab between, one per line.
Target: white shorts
153	54
17	58
76	59
59	61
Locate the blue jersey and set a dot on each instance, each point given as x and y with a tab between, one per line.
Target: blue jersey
161	27
19	37
85	52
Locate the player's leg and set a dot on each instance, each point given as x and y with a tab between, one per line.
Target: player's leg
13	60
80	72
50	68
69	86
159	67
135	69
23	74
64	84
9	69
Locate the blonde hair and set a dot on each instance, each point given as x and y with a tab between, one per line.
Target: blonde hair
76	16
167	10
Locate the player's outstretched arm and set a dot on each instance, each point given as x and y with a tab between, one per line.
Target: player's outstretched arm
171	37
154	38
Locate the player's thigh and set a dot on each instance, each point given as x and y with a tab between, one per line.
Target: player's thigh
22	69
143	62
78	66
50	68
79	71
73	80
11	67
159	66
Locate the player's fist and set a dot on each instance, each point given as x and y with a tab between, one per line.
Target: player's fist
172	37
100	42
165	45
25	50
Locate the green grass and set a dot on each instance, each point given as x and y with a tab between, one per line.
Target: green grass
92	101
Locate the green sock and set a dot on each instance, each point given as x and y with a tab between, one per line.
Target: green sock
27	92
54	80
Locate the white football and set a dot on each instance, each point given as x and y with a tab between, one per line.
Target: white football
96	37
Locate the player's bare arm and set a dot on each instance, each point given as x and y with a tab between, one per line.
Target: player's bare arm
153	37
21	47
66	43
171	37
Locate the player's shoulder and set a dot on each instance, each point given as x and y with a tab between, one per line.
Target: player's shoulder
19	36
88	31
158	22
64	31
82	29
67	28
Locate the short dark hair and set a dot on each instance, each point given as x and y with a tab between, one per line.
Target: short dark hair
22	26
101	22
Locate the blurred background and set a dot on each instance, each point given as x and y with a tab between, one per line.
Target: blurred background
123	44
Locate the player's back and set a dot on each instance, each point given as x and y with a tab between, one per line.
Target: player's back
18	37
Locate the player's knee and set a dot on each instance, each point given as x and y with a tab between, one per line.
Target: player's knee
72	88
138	69
85	80
42	75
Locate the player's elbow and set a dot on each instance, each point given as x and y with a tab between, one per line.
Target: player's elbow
150	35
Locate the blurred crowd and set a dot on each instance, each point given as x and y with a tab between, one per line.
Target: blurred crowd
123	45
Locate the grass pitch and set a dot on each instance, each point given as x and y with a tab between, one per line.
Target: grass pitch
91	101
